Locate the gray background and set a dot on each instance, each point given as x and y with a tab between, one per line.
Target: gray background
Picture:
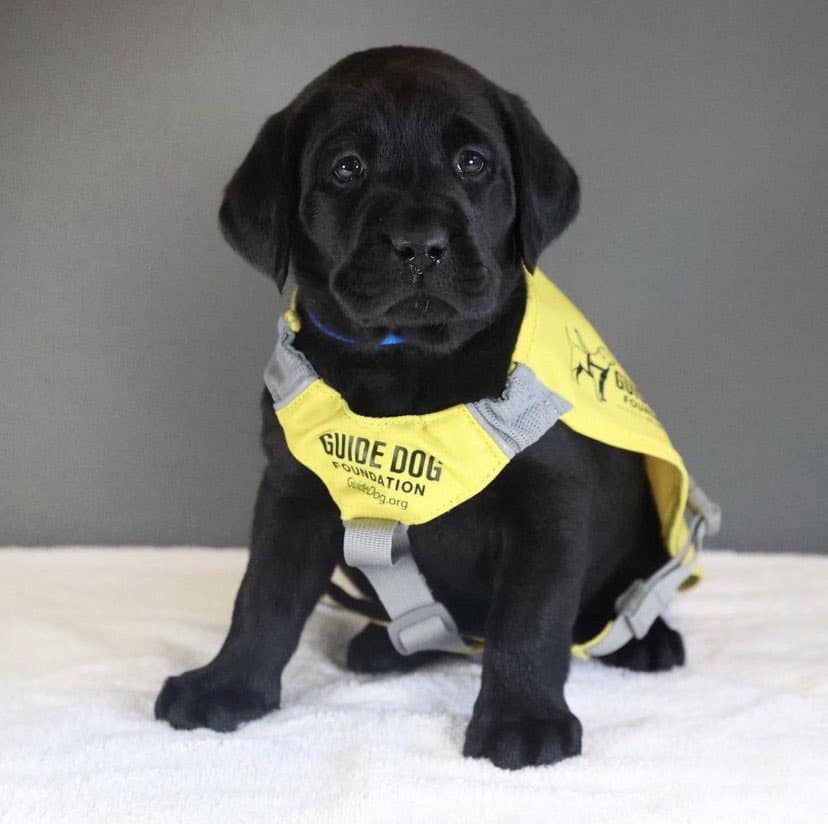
132	340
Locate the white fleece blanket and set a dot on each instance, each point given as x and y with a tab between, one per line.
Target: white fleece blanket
87	636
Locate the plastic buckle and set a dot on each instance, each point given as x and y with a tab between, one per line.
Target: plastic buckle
709	511
437	630
639	605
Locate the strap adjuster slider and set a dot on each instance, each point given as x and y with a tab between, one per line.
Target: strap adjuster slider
429	626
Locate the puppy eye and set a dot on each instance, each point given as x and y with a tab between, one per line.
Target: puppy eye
348	168
470	162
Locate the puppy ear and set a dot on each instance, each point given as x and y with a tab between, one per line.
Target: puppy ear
256	212
546	186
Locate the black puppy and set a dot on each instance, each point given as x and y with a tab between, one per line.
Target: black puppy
407	191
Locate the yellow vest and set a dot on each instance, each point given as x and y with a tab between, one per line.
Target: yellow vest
413	468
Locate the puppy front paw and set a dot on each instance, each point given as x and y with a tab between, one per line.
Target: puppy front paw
515	742
200	698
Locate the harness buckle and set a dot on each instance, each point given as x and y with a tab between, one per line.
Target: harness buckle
429	626
639	605
709	511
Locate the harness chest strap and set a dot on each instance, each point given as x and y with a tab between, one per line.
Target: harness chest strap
381	551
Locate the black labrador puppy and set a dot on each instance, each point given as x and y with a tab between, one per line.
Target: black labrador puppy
407	191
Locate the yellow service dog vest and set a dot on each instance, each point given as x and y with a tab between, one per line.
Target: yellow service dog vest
388	473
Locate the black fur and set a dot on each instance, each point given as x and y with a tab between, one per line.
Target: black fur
538	557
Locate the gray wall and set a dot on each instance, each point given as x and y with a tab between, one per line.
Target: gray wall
132	340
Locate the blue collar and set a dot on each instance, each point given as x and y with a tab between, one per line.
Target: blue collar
389	340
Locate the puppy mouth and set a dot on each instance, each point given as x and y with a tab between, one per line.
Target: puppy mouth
391	301
414	311
437	310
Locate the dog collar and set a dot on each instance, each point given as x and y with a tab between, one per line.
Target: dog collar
389	340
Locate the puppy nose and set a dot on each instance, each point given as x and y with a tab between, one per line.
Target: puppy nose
428	246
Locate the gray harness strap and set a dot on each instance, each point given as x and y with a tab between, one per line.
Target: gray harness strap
288	372
522	414
643	601
381	550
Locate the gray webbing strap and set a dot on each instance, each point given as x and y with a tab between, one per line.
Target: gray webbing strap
525	410
514	421
642	602
381	550
288	372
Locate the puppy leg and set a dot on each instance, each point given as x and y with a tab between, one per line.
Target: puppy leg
660	649
371	650
294	547
521	716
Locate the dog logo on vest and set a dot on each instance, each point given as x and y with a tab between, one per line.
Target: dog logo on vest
594	364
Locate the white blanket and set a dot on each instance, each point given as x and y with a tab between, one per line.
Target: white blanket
87	636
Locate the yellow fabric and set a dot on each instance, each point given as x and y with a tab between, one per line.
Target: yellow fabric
410	468
413	468
569	356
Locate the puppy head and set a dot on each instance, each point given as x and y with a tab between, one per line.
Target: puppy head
406	190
